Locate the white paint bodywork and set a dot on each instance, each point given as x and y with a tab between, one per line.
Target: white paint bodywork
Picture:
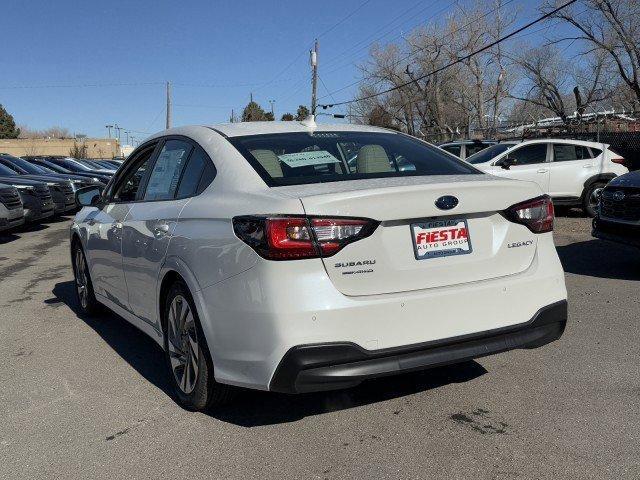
565	179
253	310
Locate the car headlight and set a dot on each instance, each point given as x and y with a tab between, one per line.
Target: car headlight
25	188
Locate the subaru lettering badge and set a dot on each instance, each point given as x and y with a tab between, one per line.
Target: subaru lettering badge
447	202
618	196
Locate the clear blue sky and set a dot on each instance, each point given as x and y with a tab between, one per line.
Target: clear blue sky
215	53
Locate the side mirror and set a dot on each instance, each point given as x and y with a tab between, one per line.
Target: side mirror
505	163
88	196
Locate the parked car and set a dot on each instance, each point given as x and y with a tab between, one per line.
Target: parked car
75	166
618	217
255	256
96	165
30	169
11	208
35	196
572	172
62	191
49	166
465	148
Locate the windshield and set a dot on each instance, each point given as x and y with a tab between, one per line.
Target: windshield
489	153
299	158
53	167
74	165
6	171
24	165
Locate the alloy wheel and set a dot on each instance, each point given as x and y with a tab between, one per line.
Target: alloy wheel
183	344
81	279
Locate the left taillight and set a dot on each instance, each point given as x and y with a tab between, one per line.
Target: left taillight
536	214
298	237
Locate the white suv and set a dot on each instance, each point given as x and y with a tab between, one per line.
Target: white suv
572	172
255	255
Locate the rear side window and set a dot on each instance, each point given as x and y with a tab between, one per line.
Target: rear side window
567	152
596	152
454	149
314	157
475	147
197	175
529	155
164	178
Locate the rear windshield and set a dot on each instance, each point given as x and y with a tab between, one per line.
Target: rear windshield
489	153
315	157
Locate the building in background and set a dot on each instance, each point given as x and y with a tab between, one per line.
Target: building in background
95	147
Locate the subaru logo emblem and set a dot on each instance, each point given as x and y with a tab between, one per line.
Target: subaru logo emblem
447	202
618	196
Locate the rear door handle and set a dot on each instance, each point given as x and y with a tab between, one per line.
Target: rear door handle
543	170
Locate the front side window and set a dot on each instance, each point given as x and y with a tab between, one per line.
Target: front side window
568	152
529	155
315	157
127	186
164	178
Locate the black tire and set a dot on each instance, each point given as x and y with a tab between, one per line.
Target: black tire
85	295
203	392
589	199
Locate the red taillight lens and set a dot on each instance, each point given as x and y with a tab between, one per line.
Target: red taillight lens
291	238
536	214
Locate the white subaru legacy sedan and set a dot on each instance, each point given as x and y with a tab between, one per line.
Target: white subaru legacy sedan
258	256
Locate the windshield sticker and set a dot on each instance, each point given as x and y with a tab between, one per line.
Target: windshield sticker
304	159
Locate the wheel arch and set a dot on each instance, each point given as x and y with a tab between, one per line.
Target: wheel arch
601	177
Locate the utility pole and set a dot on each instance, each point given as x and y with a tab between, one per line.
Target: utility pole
314	77
126	132
117	129
271	102
109	127
168	124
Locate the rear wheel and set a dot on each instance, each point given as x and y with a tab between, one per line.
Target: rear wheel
84	288
591	198
187	354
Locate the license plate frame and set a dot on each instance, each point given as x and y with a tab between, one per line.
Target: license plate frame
454	246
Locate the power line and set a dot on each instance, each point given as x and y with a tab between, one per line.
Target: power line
81	85
458	60
355	46
451	33
344	19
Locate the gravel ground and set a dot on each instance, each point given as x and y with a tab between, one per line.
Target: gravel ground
84	398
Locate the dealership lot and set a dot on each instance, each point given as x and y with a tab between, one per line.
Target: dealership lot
86	398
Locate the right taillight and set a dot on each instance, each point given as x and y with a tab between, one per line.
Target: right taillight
299	237
536	214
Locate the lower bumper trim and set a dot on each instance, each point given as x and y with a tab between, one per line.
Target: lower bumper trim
330	366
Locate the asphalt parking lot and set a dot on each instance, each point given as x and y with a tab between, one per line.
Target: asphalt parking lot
87	398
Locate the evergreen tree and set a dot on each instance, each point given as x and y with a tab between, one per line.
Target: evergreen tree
7	125
302	113
253	113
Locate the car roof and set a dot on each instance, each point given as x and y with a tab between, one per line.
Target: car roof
467	142
259	128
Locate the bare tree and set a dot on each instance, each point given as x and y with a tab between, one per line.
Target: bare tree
612	28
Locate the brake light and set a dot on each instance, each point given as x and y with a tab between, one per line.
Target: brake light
296	237
536	214
620	161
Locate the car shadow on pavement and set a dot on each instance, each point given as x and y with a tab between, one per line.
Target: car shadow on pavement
7	237
255	408
136	348
599	258
252	408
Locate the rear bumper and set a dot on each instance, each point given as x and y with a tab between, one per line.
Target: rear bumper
619	232
329	366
